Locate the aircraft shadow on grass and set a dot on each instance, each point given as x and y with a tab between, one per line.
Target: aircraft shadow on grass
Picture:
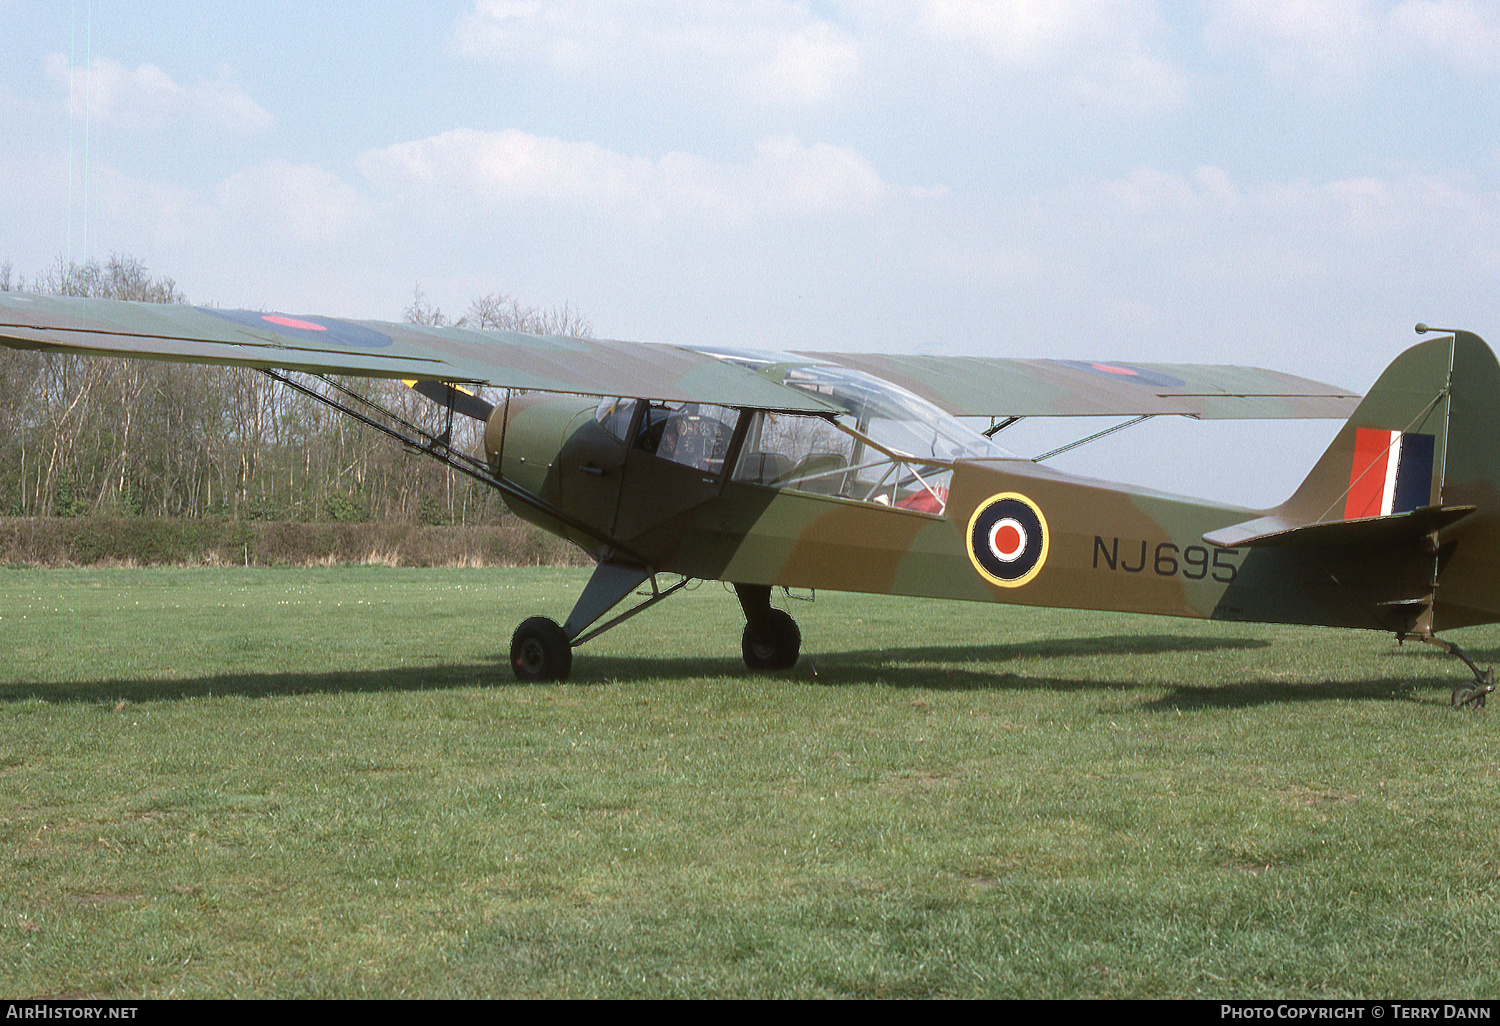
955	667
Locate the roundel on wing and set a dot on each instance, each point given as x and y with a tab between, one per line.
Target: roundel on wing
1127	372
321	330
1008	539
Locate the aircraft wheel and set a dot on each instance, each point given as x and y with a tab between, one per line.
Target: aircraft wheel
776	646
539	650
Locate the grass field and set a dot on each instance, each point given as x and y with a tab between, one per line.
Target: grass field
325	783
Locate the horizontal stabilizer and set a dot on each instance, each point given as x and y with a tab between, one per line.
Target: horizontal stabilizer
1398	527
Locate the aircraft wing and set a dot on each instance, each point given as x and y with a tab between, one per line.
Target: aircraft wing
972	386
246	338
960	385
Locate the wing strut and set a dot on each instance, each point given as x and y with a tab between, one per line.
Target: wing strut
1093	437
998	426
437	446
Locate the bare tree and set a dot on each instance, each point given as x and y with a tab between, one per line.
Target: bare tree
82	434
500	311
422	312
121	277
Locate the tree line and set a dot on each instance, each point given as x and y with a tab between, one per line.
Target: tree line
96	435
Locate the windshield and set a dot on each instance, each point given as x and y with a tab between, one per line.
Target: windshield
888	447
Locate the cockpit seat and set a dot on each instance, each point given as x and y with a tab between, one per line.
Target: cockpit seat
817	472
763	468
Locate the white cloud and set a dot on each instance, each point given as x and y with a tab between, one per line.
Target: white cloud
1295	37
1103	51
280	202
56	205
1340	42
805	65
1131	81
107	91
510	166
815	180
1465	31
1020	32
768	50
1355	210
1148	190
774	52
783	178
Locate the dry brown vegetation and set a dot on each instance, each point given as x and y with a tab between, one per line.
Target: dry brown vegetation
154	541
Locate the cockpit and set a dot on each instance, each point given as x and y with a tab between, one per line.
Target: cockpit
888	446
884	446
696	435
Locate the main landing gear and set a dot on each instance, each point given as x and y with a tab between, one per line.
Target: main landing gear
771	640
542	650
1465	696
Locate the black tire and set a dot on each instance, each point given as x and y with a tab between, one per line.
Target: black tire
775	646
540	650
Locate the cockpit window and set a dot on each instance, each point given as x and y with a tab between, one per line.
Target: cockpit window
614	416
888	446
814	454
782	448
695	435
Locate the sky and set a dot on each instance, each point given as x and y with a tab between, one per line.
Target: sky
1283	183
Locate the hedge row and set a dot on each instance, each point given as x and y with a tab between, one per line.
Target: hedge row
146	541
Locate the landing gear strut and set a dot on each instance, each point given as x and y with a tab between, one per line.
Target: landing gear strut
1470	695
1465	696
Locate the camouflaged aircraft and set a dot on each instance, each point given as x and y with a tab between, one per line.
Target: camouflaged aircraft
855	472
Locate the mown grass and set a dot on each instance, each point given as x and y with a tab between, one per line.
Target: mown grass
325	783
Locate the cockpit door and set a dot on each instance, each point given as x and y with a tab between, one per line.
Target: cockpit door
591	463
678	459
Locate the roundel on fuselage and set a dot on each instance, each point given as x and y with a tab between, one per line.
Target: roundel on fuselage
1008	539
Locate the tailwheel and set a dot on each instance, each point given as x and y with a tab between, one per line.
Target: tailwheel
1471	696
1465	696
540	650
775	645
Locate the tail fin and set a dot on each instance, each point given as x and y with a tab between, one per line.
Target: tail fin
1389	456
1418	463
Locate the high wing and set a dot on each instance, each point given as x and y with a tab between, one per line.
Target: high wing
960	385
325	345
972	386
